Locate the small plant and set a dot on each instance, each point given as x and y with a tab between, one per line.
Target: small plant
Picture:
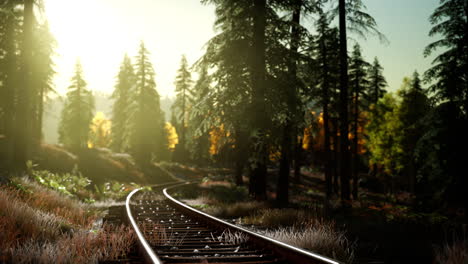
67	183
231	238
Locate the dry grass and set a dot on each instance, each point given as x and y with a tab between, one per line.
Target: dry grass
39	225
456	253
47	200
320	237
232	238
304	229
161	236
110	243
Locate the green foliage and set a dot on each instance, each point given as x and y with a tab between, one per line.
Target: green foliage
68	183
112	190
395	128
77	113
448	75
199	137
384	135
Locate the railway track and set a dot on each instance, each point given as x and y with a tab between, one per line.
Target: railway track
171	232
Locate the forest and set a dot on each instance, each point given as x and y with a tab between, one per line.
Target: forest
288	115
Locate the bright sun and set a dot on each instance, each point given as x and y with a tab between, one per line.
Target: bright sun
100	32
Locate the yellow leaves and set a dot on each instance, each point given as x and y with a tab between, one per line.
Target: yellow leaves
172	137
216	135
100	131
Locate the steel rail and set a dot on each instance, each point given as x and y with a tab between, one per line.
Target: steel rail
148	252
294	254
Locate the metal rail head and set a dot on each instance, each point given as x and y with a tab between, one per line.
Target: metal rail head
297	255
148	252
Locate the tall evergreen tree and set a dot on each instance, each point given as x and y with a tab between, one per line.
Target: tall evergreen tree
351	16
183	85
145	114
199	133
122	100
344	142
228	54
77	113
43	73
289	127
9	62
24	115
414	106
358	83
377	83
449	74
326	47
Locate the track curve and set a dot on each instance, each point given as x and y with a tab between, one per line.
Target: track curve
169	231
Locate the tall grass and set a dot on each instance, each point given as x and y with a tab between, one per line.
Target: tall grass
39	225
304	229
455	253
110	243
320	238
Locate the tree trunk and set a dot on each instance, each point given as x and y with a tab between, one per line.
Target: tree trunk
356	144
282	191
344	141
258	168
240	156
326	119
297	156
24	118
10	86
335	164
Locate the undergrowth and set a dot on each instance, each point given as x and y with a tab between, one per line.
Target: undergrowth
41	224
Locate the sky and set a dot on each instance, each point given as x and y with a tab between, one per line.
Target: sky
100	32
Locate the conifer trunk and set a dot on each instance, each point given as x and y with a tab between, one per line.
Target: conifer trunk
355	143
326	119
24	113
258	168
344	141
282	192
9	91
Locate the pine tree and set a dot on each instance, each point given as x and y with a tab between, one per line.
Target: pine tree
326	46
43	73
358	83
282	194
145	114
24	115
414	106
183	85
77	113
377	83
122	100
9	27
449	73
199	132
351	16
